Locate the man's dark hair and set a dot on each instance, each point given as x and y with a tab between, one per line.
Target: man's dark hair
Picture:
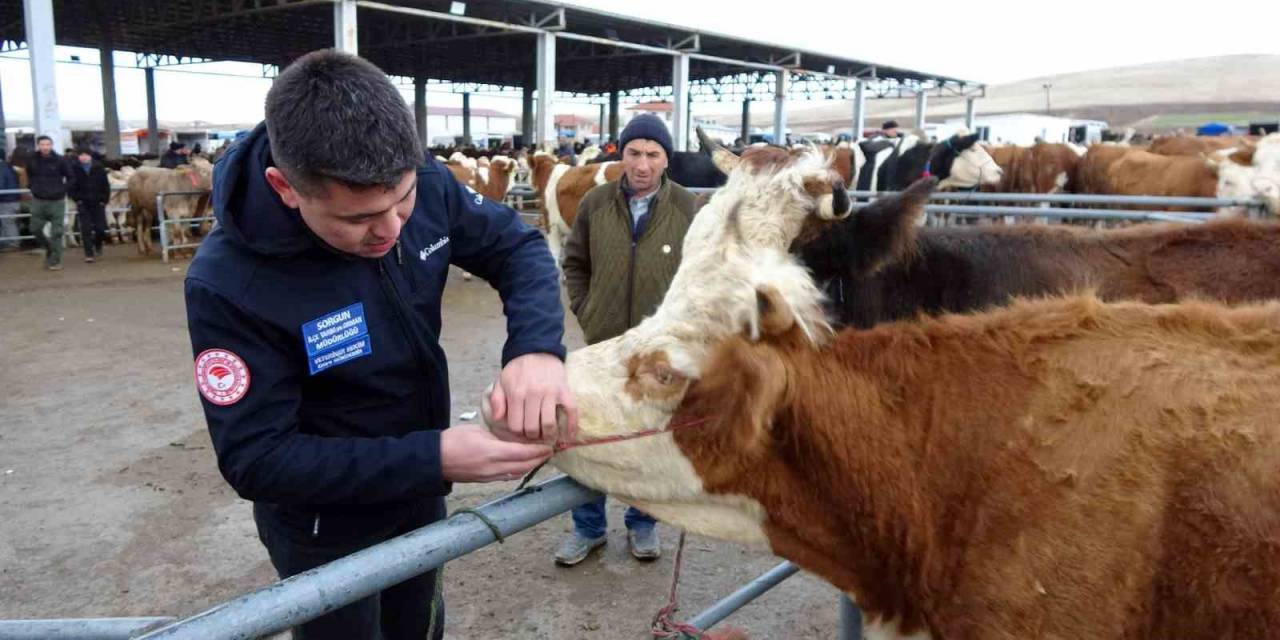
335	116
44	138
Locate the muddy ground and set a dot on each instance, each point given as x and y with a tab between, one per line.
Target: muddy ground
111	503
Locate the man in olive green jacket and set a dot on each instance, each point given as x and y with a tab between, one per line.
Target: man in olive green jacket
618	262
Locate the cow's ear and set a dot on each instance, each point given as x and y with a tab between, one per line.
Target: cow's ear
885	231
773	313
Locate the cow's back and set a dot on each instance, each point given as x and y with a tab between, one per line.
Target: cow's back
1142	173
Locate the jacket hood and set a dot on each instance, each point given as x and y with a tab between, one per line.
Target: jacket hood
248	208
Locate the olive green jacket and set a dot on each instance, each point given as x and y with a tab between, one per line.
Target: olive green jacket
613	282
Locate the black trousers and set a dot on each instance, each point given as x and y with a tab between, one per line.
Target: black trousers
92	222
296	542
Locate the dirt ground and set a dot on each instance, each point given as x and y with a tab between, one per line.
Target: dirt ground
111	503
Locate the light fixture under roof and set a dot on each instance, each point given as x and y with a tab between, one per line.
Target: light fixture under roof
458	8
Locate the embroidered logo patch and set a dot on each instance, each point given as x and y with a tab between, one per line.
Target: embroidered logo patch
221	376
336	337
432	248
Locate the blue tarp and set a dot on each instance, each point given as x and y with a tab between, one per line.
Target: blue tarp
1213	129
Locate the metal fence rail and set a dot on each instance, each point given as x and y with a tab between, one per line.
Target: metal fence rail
1077	198
313	593
78	628
750	591
70	232
166	245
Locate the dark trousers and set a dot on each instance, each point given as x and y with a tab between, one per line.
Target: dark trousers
296	543
92	220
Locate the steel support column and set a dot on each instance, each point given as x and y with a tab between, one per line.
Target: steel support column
110	115
613	115
466	118
344	26
153	127
680	101
546	70
420	110
859	109
780	106
38	18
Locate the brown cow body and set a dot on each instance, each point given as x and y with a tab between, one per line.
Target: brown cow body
1122	171
886	268
1197	145
1059	469
1042	168
147	182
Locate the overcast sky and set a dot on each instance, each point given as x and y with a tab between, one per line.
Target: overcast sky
992	41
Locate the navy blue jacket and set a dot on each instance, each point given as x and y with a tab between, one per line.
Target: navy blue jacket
364	434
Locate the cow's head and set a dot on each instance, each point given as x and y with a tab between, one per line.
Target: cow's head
879	233
635	383
962	163
1245	182
736	246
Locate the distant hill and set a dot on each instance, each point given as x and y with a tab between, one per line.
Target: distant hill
1157	96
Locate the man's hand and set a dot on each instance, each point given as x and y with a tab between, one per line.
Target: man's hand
471	453
527	394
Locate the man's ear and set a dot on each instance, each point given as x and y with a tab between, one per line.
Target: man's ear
281	186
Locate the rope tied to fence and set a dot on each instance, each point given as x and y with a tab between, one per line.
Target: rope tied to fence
493	528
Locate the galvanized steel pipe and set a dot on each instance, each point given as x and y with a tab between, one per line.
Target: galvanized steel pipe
311	594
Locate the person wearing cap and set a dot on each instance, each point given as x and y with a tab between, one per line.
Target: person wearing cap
618	262
174	156
90	190
889	129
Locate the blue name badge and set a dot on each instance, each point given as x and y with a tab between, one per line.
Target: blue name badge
336	337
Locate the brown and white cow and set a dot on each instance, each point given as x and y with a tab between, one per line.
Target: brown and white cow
560	188
491	178
1133	172
1041	168
1060	469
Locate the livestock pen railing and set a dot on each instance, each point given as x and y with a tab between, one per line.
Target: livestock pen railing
945	206
163	223
313	593
72	232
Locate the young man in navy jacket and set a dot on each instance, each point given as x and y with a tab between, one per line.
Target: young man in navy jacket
314	311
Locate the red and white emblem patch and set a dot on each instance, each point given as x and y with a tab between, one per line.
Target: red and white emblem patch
221	376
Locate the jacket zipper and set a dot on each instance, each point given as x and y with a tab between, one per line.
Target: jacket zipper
389	289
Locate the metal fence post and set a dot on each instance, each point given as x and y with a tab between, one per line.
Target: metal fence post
164	237
850	619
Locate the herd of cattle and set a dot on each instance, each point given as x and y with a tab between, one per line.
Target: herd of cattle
1013	436
1240	168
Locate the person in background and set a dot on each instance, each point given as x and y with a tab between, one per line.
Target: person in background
9	206
618	263
174	157
90	190
48	177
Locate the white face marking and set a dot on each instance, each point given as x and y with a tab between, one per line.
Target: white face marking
973	167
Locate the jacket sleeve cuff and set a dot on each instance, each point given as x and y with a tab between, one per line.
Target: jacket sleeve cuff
514	350
432	455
